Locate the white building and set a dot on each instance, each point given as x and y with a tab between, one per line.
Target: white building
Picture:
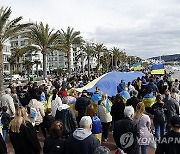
6	55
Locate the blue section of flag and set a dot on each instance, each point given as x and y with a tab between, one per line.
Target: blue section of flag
157	66
108	84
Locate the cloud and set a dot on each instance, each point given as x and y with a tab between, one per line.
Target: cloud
142	27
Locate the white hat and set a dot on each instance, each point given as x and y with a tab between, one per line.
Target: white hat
85	121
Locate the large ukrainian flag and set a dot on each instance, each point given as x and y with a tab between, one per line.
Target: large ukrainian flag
157	69
137	66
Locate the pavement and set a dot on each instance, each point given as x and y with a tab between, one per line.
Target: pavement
110	144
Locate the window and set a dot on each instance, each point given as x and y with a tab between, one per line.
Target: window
22	43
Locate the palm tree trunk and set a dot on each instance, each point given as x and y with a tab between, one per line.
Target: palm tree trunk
98	59
69	59
37	73
88	66
44	66
1	68
11	70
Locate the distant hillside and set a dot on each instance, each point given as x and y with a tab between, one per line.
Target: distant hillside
167	58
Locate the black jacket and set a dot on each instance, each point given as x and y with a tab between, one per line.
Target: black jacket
24	98
3	148
117	111
173	147
155	107
86	146
47	121
54	145
129	127
67	117
26	141
81	104
172	107
133	101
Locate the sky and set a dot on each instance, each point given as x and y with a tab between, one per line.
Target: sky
143	28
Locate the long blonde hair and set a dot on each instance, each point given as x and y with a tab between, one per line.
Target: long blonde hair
140	109
20	118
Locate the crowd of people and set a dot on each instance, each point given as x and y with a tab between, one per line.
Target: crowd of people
145	112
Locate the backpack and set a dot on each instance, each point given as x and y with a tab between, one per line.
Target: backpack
159	115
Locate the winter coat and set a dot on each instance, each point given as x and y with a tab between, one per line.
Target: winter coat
65	114
169	148
151	86
7	100
24	98
82	142
39	108
3	148
81	104
155	107
133	101
144	124
47	121
117	111
102	114
122	127
26	141
55	104
54	146
172	107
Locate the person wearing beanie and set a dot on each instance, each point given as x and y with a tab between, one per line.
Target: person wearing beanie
169	144
82	141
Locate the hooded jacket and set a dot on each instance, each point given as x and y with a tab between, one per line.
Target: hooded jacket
82	141
65	114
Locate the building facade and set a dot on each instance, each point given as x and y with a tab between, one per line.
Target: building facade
6	55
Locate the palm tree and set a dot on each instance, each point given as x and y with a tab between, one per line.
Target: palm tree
8	29
18	53
27	64
37	62
45	39
88	48
99	48
12	62
69	39
116	55
106	60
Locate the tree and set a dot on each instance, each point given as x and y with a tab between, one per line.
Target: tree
37	62
116	55
106	60
27	64
45	39
69	39
8	29
88	48
12	62
18	53
99	48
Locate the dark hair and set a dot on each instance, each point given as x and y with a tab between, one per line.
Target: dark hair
56	129
4	108
54	94
90	111
48	110
118	98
